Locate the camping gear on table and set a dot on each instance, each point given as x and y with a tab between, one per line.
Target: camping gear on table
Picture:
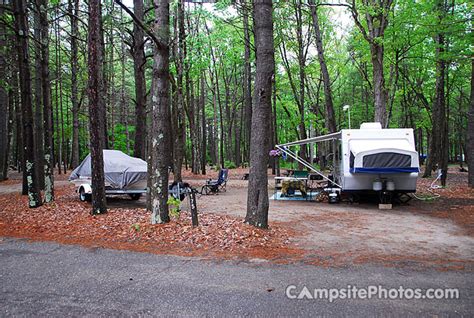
288	187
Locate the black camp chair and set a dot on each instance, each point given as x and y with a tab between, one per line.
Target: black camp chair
215	186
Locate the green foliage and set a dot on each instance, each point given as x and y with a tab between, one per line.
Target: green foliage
121	142
409	68
230	164
174	206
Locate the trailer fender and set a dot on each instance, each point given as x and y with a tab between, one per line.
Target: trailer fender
87	188
85	192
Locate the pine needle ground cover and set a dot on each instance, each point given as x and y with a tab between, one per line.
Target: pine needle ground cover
438	233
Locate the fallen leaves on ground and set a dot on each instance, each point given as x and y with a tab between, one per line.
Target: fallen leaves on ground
68	220
221	236
455	201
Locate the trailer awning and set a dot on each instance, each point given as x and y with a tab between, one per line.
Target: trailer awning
336	135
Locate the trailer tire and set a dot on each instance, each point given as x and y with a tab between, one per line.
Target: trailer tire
83	196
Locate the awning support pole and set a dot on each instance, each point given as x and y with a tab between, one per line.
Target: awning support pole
305	163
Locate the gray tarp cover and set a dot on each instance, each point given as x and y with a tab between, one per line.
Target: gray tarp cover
120	169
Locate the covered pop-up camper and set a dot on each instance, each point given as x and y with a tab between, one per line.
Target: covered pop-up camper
123	175
367	159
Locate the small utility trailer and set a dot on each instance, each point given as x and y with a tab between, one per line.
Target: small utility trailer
369	159
123	175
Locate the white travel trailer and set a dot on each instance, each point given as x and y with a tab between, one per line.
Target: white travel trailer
367	159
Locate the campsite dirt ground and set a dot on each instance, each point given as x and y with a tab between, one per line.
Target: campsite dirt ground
438	233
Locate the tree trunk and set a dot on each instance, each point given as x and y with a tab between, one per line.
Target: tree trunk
124	104
160	140
4	103
96	104
140	83
193	131
63	134
18	127
58	144
202	105
105	84
21	25
179	129
247	85
376	17
73	8
470	132
11	110
38	100
257	200
330	117
438	154
380	92
302	77
47	107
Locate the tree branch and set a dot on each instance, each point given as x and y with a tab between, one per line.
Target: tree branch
140	24
355	15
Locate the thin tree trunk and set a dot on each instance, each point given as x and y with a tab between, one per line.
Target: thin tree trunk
73	8
4	103
18	128
47	107
302	76
58	148
330	117
63	137
123	98
38	121
202	103
179	129
110	92
275	131
247	85
21	25
11	110
438	154
96	105
106	85
470	132
138	53
257	200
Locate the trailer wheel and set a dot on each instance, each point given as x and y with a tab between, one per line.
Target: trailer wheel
135	196
83	196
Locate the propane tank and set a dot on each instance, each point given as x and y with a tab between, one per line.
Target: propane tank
377	185
390	185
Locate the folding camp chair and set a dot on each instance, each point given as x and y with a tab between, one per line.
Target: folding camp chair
215	186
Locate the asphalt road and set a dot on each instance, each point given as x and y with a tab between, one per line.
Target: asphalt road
46	279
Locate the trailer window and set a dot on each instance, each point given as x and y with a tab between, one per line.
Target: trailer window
387	160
